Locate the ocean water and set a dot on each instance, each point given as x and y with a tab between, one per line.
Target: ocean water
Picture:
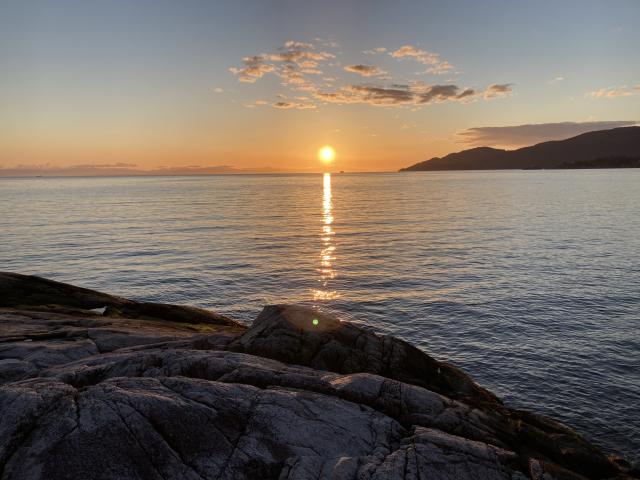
529	281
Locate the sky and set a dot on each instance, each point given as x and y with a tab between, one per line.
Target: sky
240	86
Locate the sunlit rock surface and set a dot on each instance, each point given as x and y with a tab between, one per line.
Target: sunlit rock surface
85	395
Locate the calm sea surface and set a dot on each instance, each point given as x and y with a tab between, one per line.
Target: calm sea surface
529	281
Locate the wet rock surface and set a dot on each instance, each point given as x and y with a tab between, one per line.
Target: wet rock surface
91	396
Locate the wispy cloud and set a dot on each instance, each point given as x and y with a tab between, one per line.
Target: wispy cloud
297	56
422	56
365	70
436	65
523	135
293	44
374	51
614	92
556	79
441	93
253	69
498	90
416	94
292	63
293	105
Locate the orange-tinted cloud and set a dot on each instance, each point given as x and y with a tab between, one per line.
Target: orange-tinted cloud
614	92
498	90
254	68
365	70
436	65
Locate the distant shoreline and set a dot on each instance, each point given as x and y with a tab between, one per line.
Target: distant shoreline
295	174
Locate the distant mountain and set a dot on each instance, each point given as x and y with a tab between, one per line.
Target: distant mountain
584	151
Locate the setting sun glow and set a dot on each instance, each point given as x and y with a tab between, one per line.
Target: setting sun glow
326	154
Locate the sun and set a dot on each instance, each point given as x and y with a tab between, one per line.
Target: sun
327	154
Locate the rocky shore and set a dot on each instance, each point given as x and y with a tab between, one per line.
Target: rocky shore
94	386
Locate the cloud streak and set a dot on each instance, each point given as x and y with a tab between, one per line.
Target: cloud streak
498	90
436	66
416	94
523	135
365	70
293	105
614	92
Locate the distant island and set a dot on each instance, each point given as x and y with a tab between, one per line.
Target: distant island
615	148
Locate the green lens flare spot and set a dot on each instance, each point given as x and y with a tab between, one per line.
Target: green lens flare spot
315	321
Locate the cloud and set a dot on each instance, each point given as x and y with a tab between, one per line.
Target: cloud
296	56
523	135
254	68
467	93
498	90
557	79
307	64
306	67
613	92
440	68
441	93
365	70
367	94
422	56
373	51
436	65
380	95
291	63
293	44
416	94
293	105
218	90
291	75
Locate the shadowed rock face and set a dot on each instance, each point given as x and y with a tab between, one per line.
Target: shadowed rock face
97	397
30	291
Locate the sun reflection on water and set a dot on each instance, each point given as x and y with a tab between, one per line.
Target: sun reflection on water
327	254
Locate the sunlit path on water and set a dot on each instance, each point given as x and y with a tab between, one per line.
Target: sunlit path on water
327	254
